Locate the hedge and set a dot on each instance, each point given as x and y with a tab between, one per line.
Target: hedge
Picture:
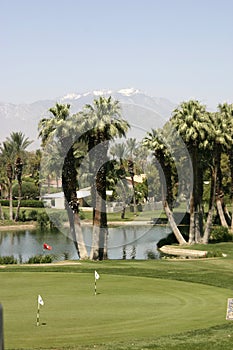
33	203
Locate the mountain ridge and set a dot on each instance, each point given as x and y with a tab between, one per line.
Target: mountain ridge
141	110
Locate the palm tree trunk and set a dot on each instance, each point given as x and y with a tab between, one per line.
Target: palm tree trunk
19	200
194	228
219	197
192	220
209	220
173	224
230	154
168	196
72	228
100	228
227	214
9	170
69	188
79	238
221	212
94	254
10	201
1	213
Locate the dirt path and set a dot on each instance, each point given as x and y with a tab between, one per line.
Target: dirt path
18	227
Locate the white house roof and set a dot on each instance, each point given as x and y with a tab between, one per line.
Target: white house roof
80	194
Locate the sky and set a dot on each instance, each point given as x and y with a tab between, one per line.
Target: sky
177	49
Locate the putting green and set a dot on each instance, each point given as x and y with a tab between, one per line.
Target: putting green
124	308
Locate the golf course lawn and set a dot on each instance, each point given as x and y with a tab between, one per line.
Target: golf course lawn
130	311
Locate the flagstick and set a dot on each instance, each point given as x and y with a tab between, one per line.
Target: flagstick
38	315
95	286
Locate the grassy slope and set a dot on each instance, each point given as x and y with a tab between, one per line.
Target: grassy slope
142	304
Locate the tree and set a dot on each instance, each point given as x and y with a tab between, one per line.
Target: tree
102	122
131	147
224	143
221	141
194	127
19	144
6	153
154	141
63	131
119	152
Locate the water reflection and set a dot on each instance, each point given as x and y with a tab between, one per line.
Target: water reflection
131	242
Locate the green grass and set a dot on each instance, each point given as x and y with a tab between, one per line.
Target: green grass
165	304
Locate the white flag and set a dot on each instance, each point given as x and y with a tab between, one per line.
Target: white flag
40	300
97	276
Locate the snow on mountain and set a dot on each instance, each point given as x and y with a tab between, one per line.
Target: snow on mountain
71	97
142	111
128	92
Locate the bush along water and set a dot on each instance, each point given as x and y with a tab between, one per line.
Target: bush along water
7	260
220	234
40	259
51	222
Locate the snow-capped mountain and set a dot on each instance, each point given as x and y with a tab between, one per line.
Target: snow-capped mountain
142	111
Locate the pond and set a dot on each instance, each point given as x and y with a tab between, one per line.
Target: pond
124	242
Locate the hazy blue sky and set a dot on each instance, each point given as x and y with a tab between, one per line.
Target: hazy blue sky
178	49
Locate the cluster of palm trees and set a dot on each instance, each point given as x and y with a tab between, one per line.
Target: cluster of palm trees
207	136
13	154
80	138
187	151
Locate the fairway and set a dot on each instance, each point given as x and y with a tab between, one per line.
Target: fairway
125	308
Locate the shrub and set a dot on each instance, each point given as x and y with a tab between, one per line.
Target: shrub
40	259
32	215
52	221
33	203
7	260
214	254
29	190
43	220
22	215
151	255
220	234
56	219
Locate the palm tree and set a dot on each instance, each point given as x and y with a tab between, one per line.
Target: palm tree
63	131
3	185
224	142
155	142
221	141
131	147
6	152
119	152
194	126
102	122
19	144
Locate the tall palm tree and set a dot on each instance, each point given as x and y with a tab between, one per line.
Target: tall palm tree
6	153
224	143
119	152
19	145
221	141
3	184
102	122
131	147
194	127
64	131
155	142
